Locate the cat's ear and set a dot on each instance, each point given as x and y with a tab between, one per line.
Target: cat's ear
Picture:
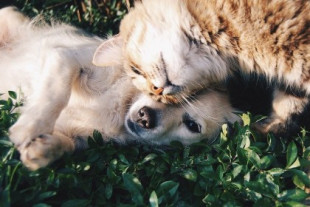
109	53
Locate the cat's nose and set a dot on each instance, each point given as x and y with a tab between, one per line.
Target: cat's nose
157	90
146	118
166	90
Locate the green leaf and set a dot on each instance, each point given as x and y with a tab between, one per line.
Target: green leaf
293	204
153	199
242	155
123	159
12	94
293	195
75	203
298	182
224	133
108	191
266	161
236	185
149	157
6	143
291	154
254	158
41	205
134	186
272	185
111	174
45	195
295	164
237	170
220	172
276	171
98	137
91	142
209	199
264	185
307	153
5	198
271	141
2	102
167	189
190	174
302	176
245	142
246	119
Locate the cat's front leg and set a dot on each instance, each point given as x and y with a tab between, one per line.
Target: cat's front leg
282	121
50	95
45	149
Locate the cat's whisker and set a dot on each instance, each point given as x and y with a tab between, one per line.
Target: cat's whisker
197	110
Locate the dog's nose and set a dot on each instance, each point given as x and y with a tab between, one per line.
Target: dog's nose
146	118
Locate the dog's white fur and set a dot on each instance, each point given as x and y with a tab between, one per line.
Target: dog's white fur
66	97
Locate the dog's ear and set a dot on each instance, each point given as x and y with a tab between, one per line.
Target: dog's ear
109	53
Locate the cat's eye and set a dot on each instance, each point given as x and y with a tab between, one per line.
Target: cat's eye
135	70
191	125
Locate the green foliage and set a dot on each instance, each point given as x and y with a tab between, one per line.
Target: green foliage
7	116
100	17
242	169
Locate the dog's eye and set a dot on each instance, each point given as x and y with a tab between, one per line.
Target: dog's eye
135	70
191	124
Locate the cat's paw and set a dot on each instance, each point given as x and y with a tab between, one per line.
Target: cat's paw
277	126
270	125
41	151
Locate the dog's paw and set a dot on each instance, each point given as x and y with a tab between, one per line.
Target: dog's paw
21	135
41	151
28	128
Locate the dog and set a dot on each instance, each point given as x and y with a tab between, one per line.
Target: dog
66	97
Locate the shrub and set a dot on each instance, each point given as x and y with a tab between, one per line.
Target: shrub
242	169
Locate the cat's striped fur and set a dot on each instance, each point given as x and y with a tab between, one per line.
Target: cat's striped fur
172	48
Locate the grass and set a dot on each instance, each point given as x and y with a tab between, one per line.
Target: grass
242	169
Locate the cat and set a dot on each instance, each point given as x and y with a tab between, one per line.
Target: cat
65	97
173	48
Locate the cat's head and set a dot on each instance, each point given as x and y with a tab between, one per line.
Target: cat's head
163	51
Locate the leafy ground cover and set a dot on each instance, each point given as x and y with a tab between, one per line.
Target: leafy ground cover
241	169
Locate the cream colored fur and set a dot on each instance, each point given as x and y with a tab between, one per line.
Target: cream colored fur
66	97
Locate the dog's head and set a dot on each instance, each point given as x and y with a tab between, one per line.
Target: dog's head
189	122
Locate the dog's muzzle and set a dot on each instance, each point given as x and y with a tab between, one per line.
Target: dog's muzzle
145	119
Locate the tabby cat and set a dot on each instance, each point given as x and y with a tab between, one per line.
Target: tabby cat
174	48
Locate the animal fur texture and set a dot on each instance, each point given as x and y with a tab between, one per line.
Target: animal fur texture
174	48
66	97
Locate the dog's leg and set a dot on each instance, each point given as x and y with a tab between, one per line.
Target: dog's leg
51	95
10	21
43	150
